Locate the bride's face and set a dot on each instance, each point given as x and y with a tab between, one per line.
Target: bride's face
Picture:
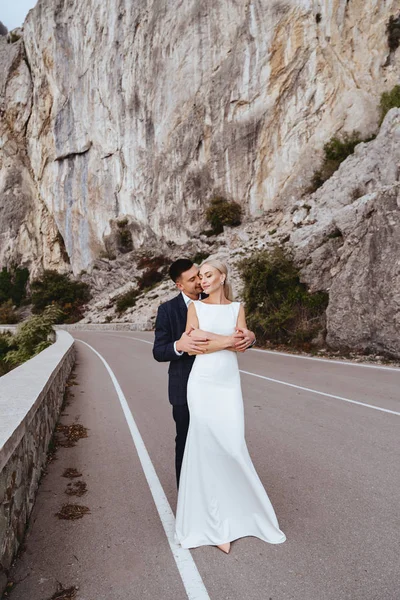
210	278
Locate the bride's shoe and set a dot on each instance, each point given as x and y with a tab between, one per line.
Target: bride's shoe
225	547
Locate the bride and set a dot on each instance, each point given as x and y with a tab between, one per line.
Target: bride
220	496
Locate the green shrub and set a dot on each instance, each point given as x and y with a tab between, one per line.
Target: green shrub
145	282
222	212
149	279
393	33
123	223
13	285
389	100
14	37
57	288
154	262
126	301
8	316
335	152
279	308
199	257
32	336
124	240
6	344
124	236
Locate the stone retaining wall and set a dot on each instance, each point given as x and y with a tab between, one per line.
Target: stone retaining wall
144	326
30	400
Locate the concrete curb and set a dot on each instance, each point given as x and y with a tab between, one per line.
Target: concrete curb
30	400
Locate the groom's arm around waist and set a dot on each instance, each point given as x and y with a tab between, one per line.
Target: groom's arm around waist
163	348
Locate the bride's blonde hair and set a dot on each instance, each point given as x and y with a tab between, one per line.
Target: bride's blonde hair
222	268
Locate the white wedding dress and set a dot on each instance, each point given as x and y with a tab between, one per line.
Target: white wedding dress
220	498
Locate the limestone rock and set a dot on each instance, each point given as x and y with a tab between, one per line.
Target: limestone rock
352	245
28	235
143	110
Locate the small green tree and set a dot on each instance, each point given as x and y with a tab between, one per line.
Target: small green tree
222	212
33	336
279	307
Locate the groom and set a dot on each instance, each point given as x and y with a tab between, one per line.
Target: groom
172	344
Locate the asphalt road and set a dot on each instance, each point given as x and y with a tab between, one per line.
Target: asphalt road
323	436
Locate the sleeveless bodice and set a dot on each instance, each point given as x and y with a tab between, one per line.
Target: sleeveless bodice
220	319
217	318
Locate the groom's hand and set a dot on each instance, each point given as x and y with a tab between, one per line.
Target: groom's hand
191	345
246	339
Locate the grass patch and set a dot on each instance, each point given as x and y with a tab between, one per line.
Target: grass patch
279	307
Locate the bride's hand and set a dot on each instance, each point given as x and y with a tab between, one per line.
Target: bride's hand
246	339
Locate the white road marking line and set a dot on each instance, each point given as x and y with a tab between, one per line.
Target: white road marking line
393	412
190	576
276	352
328	360
299	387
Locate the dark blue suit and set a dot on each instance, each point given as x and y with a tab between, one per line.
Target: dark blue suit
170	324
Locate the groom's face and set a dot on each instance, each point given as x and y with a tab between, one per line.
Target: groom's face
189	283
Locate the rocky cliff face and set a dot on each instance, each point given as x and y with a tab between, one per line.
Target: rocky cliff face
147	109
28	234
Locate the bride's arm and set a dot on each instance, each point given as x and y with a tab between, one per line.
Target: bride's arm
215	341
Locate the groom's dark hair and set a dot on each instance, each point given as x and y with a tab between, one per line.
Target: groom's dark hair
178	267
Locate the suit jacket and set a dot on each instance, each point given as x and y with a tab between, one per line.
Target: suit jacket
170	324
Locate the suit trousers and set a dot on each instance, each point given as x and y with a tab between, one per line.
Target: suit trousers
181	418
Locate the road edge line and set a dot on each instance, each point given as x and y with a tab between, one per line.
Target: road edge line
187	568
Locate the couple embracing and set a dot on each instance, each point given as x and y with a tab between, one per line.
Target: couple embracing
200	331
